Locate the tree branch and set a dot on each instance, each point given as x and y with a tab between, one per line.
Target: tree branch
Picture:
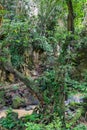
29	82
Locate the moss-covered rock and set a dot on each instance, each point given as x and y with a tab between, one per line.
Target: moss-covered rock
74	105
18	102
11	78
75	117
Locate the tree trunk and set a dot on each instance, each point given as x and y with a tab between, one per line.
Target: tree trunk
70	19
1	8
60	76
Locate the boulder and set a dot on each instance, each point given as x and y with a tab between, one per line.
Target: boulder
18	102
11	78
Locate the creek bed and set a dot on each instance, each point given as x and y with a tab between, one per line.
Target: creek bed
21	112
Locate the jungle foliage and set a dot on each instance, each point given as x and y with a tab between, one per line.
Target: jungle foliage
57	33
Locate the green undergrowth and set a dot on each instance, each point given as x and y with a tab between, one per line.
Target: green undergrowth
29	122
80	127
33	122
75	118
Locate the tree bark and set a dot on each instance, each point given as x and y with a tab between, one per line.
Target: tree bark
70	19
1	8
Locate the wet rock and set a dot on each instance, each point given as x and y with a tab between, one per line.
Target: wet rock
33	101
29	108
74	99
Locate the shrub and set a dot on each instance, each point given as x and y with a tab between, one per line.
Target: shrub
56	124
32	126
10	121
80	127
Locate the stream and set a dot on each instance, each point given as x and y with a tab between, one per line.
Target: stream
77	98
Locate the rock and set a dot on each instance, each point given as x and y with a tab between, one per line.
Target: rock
11	77
34	73
18	102
33	100
74	99
27	72
3	76
74	117
5	108
29	108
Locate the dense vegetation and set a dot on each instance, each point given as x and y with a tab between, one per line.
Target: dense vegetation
49	38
